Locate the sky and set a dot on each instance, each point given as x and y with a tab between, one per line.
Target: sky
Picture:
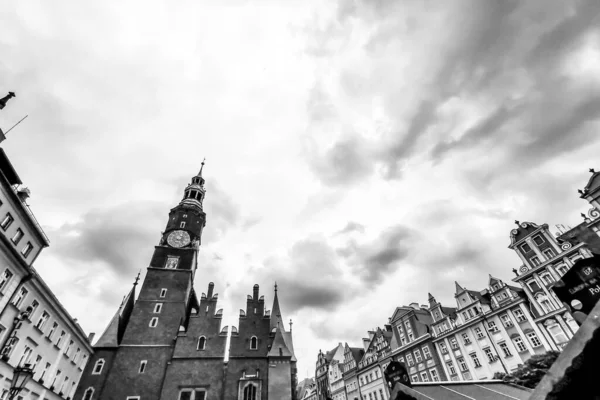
360	153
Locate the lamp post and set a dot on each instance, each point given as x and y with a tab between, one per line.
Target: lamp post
20	377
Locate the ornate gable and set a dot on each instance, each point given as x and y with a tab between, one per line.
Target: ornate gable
523	230
593	184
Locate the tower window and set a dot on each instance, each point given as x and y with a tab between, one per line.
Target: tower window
201	343
27	249
88	394
250	392
184	215
253	343
538	240
143	366
171	262
182	225
525	247
163	292
153	322
158	308
98	367
17	237
6	221
192	394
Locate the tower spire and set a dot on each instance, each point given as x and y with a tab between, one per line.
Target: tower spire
137	278
201	167
276	320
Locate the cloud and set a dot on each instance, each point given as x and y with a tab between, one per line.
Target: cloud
352	227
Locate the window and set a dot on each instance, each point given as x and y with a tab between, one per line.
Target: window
546	278
42	320
60	338
462	364
157	308
525	247
171	262
465	315
476	360
519	344
5	278
533	339
20	297
424	377
466	338
253	343
182	225
163	292
34	305
201	343
562	269
46	368
418	357
26	356
545	303
493	327
98	367
414	378
557	334
426	352
535	260
478	332
489	354
453	343
505	349
83	360
380	394
451	368
249	393
68	349
143	366
37	361
537	239
519	315
6	221
506	320
434	375
27	249
76	356
52	330
88	394
17	236
409	360
443	348
133	398
548	253
153	322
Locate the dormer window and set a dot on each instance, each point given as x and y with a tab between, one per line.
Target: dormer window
526	248
537	239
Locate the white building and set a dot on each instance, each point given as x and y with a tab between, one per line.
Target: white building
35	328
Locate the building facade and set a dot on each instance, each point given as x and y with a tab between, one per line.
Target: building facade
544	262
413	344
336	377
369	371
169	344
352	356
35	328
322	369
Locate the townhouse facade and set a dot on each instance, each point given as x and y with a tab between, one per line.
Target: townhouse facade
412	343
336	377
322	370
35	328
369	371
352	356
545	261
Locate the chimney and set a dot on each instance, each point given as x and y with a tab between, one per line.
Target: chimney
211	286
424	307
414	305
91	337
23	193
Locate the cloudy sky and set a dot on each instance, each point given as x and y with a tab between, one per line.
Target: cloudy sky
360	153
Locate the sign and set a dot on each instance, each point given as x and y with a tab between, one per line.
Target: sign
580	286
396	373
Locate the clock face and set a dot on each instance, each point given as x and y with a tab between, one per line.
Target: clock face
178	239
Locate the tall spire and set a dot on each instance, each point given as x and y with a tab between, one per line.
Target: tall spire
276	320
202	167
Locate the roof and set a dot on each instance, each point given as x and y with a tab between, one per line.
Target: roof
8	170
111	337
276	320
483	298
279	348
287	337
449	311
476	390
357	353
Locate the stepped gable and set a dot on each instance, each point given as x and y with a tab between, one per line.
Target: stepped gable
252	323
202	338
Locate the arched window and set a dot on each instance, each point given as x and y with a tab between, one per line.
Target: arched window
88	394
250	392
98	367
201	343
253	343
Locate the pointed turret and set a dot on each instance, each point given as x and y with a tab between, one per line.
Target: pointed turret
112	335
276	319
279	347
432	301
459	288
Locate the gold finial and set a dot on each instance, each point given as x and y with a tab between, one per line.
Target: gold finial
275	286
291	323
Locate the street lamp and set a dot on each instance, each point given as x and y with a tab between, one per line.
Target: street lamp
20	377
